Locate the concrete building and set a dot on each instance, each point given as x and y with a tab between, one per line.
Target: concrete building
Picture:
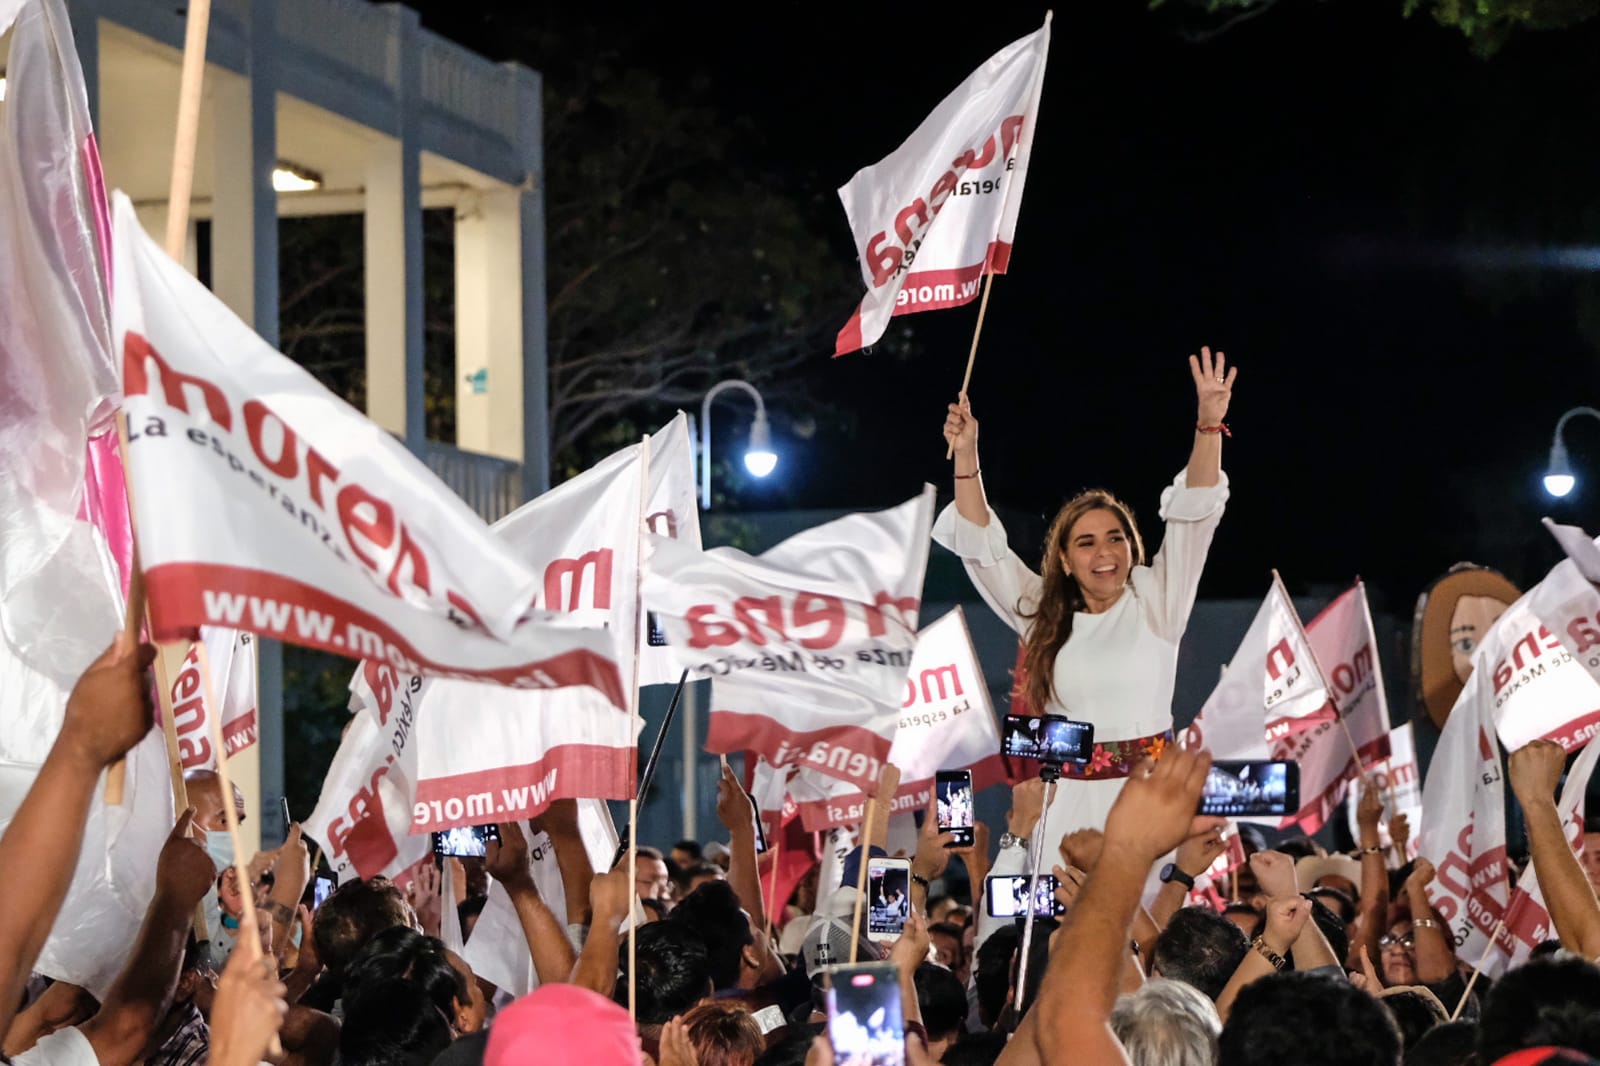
342	107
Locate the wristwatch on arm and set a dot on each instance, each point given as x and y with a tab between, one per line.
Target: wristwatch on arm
1170	873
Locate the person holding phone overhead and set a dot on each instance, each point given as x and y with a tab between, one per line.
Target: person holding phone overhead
1100	627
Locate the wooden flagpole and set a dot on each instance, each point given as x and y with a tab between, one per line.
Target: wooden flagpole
633	803
249	927
179	191
1462	1002
874	827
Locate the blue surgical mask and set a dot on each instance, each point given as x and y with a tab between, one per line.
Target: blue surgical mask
220	847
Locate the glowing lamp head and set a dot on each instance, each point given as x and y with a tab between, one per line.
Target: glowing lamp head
759	458
1558	476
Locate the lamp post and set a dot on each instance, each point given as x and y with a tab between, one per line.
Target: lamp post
759	458
1558	476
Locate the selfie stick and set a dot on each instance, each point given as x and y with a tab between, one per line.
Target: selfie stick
1049	774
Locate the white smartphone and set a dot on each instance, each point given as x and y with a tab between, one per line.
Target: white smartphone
888	898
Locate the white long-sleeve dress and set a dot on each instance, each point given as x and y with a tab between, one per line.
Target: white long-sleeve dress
1117	669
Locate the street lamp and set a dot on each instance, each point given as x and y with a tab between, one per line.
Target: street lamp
1558	477
759	458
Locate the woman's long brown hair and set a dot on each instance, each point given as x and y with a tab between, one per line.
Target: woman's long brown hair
1061	598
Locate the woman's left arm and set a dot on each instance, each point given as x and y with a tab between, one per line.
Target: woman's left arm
1213	386
1192	506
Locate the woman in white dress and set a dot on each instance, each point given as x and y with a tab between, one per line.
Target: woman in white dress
1100	629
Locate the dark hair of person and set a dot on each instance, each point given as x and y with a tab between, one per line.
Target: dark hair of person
1297	848
1309	1019
1038	962
645	851
471	907
1201	948
673	972
1238	907
701	869
1050	623
794	1047
392	1022
355	913
1450	1044
1332	927
690	848
942	1000
1347	907
991	971
712	913
402	954
975	1049
1552	1002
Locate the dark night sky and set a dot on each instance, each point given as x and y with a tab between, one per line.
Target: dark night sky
1296	191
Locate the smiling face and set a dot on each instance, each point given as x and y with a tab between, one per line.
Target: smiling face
1098	555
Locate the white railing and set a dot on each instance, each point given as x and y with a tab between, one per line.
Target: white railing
490	485
465	84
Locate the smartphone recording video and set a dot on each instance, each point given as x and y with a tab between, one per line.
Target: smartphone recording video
888	898
1049	738
953	794
1008	896
321	891
466	841
865	1026
1251	787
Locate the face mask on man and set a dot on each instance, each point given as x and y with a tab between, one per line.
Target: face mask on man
220	847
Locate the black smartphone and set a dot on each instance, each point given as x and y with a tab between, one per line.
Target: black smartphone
656	636
761	832
1048	738
865	1026
322	888
465	841
953	794
888	898
1008	895
1237	787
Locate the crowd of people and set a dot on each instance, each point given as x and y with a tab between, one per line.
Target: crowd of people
689	957
1312	958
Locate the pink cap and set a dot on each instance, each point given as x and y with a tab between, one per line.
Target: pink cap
563	1023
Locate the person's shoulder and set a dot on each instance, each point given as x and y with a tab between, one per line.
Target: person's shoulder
64	1047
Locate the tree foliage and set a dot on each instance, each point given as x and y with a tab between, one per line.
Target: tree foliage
1487	24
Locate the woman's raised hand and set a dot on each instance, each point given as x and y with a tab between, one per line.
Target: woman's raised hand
1213	385
960	428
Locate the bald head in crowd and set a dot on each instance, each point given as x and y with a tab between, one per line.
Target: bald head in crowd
205	796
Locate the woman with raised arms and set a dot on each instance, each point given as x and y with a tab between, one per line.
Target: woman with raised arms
1101	627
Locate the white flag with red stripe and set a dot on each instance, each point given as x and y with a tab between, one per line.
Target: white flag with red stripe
363	817
808	645
488	753
946	723
1346	648
1528	922
672	511
233	676
1533	661
1399	780
1464	831
269	504
1271	690
939	212
1568	600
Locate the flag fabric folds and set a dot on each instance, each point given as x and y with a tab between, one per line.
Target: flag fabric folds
939	212
809	644
266	503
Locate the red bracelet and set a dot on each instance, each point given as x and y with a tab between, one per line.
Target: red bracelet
1220	427
964	477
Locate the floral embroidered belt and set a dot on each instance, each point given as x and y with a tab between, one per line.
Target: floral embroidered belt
1117	758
